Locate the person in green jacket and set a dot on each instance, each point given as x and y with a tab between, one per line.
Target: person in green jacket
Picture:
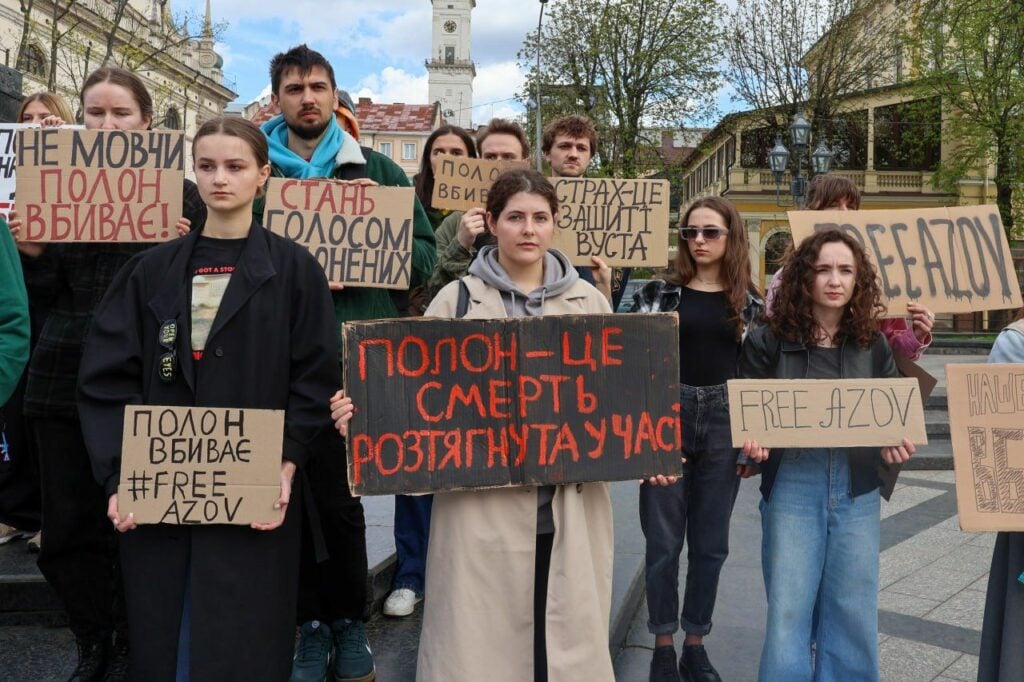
306	141
14	325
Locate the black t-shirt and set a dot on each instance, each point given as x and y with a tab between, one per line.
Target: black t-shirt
212	262
823	363
708	346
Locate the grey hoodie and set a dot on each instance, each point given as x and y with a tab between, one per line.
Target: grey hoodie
559	276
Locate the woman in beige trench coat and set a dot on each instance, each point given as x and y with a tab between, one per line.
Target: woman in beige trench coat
479	615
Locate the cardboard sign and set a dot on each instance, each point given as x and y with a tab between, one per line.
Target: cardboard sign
200	465
986	420
459	404
952	260
625	222
838	413
361	236
8	162
100	185
462	183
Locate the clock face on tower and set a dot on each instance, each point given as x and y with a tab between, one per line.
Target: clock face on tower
450	26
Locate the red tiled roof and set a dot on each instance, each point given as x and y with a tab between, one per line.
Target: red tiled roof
397	118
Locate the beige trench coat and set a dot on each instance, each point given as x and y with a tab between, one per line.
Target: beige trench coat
478	613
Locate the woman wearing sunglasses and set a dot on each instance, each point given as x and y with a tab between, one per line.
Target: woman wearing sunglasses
711	290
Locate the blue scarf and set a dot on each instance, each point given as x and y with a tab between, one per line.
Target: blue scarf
293	165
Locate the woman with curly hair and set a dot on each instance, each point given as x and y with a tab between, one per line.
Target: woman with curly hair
820	506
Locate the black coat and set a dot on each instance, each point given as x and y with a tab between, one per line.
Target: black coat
765	356
272	346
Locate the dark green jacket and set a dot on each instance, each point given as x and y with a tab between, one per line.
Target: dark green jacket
363	303
14	325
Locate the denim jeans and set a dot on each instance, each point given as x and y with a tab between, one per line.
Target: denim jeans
695	509
819	545
412	532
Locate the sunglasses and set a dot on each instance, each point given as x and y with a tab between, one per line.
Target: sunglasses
169	360
709	233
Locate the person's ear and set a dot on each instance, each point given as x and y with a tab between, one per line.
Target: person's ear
489	220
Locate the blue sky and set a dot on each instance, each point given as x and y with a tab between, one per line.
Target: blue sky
377	48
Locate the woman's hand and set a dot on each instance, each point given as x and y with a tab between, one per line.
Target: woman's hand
122	525
898	454
342	410
753	452
183	226
30	249
362	182
602	273
661	479
922	320
51	121
287	474
747	470
471	225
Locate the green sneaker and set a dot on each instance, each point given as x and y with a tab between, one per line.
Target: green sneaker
313	654
353	660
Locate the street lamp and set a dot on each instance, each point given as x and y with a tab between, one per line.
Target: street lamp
820	161
540	159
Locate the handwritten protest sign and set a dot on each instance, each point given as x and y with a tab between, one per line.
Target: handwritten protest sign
952	260
100	185
200	465
986	420
625	222
784	413
360	235
457	404
8	162
462	183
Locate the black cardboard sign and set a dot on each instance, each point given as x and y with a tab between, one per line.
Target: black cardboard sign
460	404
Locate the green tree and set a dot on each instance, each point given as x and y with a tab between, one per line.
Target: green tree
971	54
629	65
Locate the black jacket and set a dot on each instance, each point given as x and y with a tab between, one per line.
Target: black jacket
764	356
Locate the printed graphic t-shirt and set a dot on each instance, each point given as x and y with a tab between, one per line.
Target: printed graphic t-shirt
212	263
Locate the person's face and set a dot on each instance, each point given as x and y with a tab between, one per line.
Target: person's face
501	146
523	230
307	102
706	251
835	276
35	112
112	107
227	173
449	144
569	156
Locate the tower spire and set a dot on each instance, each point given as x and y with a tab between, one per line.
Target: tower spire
208	22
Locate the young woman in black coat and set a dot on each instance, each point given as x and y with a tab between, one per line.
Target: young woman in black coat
253	327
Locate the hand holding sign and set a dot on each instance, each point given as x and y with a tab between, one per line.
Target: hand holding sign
471	225
122	525
287	476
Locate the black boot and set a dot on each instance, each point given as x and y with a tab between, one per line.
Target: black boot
694	665
117	666
663	664
92	660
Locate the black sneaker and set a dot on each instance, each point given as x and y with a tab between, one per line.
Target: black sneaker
117	666
694	665
92	659
663	664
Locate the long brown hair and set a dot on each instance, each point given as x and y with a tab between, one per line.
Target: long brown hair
826	191
792	316
735	263
424	180
127	80
54	103
236	126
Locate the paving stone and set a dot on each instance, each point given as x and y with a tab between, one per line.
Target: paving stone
902	660
965	609
906	604
907	497
964	668
938	581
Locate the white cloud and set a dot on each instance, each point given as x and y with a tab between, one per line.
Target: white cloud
493	89
393	85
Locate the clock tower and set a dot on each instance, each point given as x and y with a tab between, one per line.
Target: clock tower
450	67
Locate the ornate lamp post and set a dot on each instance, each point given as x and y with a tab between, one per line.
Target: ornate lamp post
778	160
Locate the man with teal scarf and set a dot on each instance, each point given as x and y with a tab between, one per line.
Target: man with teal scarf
307	142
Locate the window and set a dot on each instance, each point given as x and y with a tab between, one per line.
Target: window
385	149
846	135
33	61
408	151
908	135
449	55
172	120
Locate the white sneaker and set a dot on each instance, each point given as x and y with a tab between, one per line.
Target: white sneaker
401	602
8	533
